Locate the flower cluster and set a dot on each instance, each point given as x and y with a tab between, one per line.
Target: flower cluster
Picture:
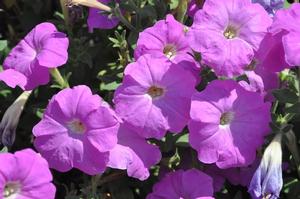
162	94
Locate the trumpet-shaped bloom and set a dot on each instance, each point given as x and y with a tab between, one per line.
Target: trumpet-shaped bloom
155	96
228	33
167	38
77	126
267	179
286	28
25	174
99	19
192	184
228	124
133	153
28	63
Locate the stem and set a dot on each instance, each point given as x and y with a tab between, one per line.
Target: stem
181	10
118	13
65	10
58	78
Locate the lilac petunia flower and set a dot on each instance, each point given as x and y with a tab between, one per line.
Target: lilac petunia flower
133	153
267	179
99	19
77	127
151	99
228	33
271	6
192	184
25	174
285	32
225	126
27	65
167	38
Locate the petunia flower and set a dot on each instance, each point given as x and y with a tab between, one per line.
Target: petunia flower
10	120
99	19
192	184
28	63
133	153
228	124
228	33
154	96
267	179
286	34
167	38
271	6
77	126
25	174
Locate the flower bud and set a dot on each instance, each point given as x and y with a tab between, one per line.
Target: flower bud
11	118
267	180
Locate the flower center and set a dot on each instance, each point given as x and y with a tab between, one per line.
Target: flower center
77	126
230	32
155	91
226	118
170	51
11	190
267	196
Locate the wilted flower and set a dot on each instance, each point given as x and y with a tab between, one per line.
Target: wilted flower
92	4
11	118
271	6
133	153
28	63
267	180
99	19
155	96
225	126
227	34
25	174
167	38
77	126
192	184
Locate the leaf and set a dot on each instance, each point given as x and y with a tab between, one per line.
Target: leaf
110	86
295	108
3	44
183	140
4	150
285	95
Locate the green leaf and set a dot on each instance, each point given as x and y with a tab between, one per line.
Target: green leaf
110	86
4	150
285	95
295	108
3	44
183	140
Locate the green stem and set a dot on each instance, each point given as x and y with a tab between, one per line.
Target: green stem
58	78
181	10
118	13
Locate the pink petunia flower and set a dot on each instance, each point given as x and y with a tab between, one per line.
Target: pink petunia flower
167	38
99	19
155	96
192	184
285	37
133	153
28	63
227	34
228	124
25	174
77	127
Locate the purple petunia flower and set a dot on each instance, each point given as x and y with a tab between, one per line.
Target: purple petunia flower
25	174
286	37
167	38
271	6
133	153
192	184
155	96
267	179
227	34
99	19
228	124
77	127
27	65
